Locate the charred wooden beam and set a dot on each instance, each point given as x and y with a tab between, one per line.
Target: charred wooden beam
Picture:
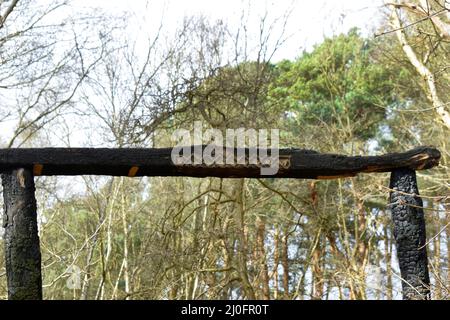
23	256
293	163
409	233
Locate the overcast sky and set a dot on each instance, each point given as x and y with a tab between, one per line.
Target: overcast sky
310	20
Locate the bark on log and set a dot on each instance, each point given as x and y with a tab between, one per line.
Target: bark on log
23	256
409	233
293	163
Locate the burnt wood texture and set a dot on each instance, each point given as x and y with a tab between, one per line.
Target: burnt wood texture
22	253
19	166
409	233
293	163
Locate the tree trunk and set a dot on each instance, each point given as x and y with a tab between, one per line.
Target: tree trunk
420	67
261	256
285	263
362	251
126	275
242	249
388	262
23	256
437	259
447	233
318	285
276	262
409	233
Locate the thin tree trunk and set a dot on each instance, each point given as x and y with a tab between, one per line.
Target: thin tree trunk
285	263
105	256
125	248
276	262
90	255
437	259
260	236
432	93
447	233
362	251
388	262
317	271
242	249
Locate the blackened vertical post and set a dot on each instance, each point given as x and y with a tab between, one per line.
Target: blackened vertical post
409	232
23	256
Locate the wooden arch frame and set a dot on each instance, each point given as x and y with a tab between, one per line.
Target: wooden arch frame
20	166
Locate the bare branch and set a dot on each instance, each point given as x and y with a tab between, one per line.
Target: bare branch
8	11
421	69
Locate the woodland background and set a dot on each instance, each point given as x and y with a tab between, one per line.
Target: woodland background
186	238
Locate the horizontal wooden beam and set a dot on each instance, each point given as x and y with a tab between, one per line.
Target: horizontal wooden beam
293	163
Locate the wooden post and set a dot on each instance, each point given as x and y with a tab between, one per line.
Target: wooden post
23	256
409	232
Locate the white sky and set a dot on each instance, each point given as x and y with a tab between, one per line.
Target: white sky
310	20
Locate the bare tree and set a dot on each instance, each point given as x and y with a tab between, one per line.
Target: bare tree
46	54
427	13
